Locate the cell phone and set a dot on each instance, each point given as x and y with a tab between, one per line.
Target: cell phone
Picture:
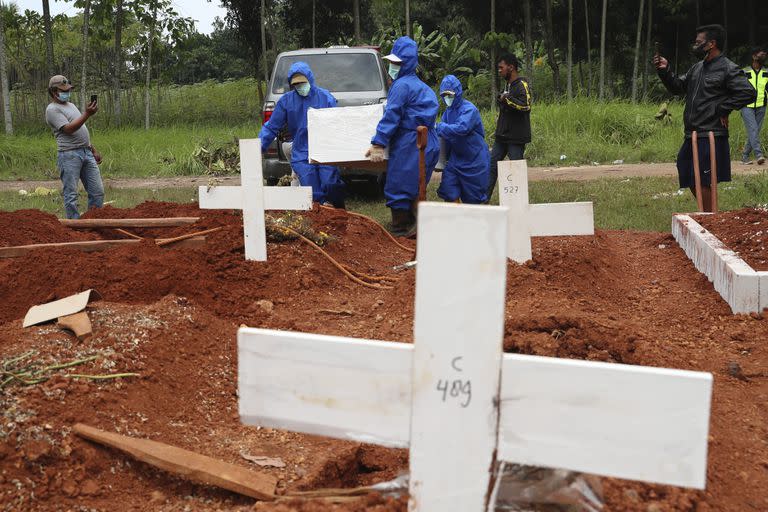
94	98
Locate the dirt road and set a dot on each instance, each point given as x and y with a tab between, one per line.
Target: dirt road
581	173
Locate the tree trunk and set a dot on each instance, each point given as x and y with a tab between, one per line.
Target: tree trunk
5	90
647	54
570	51
528	40
602	50
494	74
725	25
698	14
408	18
264	41
314	22
588	35
147	95
752	20
118	59
635	66
48	38
356	9
550	37
83	82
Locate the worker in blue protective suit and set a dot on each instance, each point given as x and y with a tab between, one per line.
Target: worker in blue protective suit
468	165
410	104
291	109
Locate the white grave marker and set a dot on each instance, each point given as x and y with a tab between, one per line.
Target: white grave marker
254	198
455	399
527	220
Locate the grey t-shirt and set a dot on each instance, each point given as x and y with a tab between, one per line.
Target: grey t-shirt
57	115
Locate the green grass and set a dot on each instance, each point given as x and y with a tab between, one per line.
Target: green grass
632	203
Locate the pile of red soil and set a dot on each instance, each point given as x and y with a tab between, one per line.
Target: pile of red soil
743	231
171	315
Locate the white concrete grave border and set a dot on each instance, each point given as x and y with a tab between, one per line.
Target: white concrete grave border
458	402
743	288
527	220
254	198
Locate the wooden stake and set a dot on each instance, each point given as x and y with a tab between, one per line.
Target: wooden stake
169	222
93	245
168	241
191	465
696	176
713	167
128	234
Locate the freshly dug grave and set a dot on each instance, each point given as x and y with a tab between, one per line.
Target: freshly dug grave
743	231
171	315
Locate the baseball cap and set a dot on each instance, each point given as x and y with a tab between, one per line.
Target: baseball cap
393	58
298	78
61	82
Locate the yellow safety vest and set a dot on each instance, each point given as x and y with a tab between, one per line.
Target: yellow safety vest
758	80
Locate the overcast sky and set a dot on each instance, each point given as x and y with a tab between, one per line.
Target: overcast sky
201	11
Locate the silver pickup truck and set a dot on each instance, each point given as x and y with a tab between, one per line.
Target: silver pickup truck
355	76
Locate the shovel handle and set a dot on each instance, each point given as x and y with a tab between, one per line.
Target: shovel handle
696	170
421	144
713	166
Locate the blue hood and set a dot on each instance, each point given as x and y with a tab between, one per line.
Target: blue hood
301	68
451	83
407	51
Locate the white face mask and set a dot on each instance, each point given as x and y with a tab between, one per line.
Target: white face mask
303	89
394	70
448	99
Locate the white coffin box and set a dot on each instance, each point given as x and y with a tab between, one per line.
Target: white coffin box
342	136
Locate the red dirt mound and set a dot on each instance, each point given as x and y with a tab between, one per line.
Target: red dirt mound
171	315
743	231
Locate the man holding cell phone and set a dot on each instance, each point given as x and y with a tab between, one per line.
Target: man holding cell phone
77	160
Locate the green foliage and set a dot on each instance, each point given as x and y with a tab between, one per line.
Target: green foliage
217	157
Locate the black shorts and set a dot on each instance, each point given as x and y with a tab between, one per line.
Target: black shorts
685	161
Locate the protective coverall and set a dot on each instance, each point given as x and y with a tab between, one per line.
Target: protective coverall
467	168
410	104
291	109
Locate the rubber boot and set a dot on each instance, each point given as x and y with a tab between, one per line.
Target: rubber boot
402	222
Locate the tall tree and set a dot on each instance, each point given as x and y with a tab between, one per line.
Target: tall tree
647	53
150	41
570	50
48	38
356	14
528	39
83	82
408	18
550	37
725	24
314	23
640	14
602	50
264	41
5	90
118	65
588	37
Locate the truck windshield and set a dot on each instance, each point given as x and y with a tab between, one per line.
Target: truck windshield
336	72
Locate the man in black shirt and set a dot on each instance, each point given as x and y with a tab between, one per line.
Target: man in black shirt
513	127
713	88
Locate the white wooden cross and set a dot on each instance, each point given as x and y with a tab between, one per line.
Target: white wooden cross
254	198
527	220
458	402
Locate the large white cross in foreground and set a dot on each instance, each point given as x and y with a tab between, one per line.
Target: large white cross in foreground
253	198
456	400
527	220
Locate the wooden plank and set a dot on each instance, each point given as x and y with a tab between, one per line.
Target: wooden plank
622	421
191	465
562	219
253	200
736	282
331	386
128	223
458	334
513	194
93	246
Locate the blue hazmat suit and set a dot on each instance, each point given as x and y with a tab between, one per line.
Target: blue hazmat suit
410	104
291	109
468	164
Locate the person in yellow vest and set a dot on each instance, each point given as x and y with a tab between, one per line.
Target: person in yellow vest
754	113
